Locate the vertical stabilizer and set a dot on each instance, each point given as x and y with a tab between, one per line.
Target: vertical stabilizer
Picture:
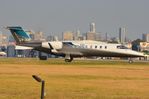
19	34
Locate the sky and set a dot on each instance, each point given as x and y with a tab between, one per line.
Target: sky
56	16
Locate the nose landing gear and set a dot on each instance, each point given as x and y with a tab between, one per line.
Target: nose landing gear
130	61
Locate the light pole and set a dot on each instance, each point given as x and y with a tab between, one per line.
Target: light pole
38	79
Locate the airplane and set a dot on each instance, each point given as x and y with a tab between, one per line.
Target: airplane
73	49
2	53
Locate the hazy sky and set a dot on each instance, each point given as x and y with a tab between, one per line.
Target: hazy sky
57	16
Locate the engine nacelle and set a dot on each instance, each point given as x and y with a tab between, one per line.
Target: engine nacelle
52	45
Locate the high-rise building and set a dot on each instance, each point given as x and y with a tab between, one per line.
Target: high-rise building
92	28
31	34
39	36
67	35
78	35
90	36
106	37
122	35
145	37
3	39
52	38
98	36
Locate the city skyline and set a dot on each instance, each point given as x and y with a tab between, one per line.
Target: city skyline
54	17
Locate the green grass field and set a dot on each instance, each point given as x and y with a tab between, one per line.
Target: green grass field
81	79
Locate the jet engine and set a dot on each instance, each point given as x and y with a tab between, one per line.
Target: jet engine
52	45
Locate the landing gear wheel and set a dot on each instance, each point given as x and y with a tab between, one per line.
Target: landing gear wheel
130	61
69	60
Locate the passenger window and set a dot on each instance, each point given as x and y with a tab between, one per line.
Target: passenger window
118	47
105	47
95	46
100	46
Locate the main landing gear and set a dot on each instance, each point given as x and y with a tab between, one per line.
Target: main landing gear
68	58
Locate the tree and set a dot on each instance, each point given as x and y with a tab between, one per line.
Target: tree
136	44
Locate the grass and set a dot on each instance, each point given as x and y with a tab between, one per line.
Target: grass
52	61
80	79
